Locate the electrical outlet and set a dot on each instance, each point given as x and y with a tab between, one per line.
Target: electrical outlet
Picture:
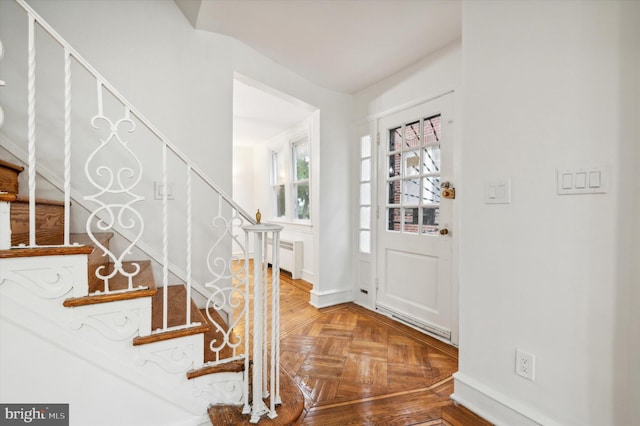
525	364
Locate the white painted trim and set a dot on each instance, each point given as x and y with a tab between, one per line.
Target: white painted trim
5	225
308	276
494	406
410	104
323	299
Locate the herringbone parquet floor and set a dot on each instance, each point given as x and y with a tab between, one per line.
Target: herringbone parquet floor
357	367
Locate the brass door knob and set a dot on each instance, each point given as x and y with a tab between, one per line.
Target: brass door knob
444	231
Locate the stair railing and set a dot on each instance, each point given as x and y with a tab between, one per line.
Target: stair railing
114	206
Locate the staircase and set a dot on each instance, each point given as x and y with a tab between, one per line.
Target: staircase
88	302
109	297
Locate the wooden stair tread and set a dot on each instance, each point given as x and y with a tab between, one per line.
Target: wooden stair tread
83	245
11	166
210	356
44	251
288	412
177	296
120	282
8	197
235	366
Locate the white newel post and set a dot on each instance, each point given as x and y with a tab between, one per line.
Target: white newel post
261	318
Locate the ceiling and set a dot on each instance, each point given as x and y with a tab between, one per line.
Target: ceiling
341	45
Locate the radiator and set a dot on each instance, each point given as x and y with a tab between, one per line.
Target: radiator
290	256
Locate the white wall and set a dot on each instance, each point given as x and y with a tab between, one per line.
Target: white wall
260	184
547	86
330	172
182	80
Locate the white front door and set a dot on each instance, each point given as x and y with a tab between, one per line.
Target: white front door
414	235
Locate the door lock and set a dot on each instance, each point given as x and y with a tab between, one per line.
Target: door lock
444	231
447	190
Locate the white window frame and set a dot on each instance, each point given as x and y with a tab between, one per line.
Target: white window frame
285	145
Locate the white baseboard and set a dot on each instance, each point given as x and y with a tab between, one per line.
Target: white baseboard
495	407
323	299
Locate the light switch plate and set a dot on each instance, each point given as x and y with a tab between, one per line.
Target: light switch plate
583	180
497	192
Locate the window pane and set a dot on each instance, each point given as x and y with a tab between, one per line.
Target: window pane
395	139
393	195
365	193
431	190
365	241
279	198
302	201
411	163
279	167
301	161
365	146
394	165
365	217
411	192
430	220
365	170
411	220
412	135
431	160
432	129
393	219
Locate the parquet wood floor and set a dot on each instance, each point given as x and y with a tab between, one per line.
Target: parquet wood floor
357	367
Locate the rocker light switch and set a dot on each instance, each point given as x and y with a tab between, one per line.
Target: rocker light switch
498	192
587	180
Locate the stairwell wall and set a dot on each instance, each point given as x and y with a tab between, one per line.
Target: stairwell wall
182	80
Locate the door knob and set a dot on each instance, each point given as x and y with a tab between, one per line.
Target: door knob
444	231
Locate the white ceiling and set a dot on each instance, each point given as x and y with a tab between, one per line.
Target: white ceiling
342	45
259	115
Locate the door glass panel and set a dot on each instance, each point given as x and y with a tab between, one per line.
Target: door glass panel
365	147
432	129
365	169
430	220
411	160
410	192
413	179
393	196
394	165
431	190
411	219
395	139
365	193
393	219
431	160
412	135
365	217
